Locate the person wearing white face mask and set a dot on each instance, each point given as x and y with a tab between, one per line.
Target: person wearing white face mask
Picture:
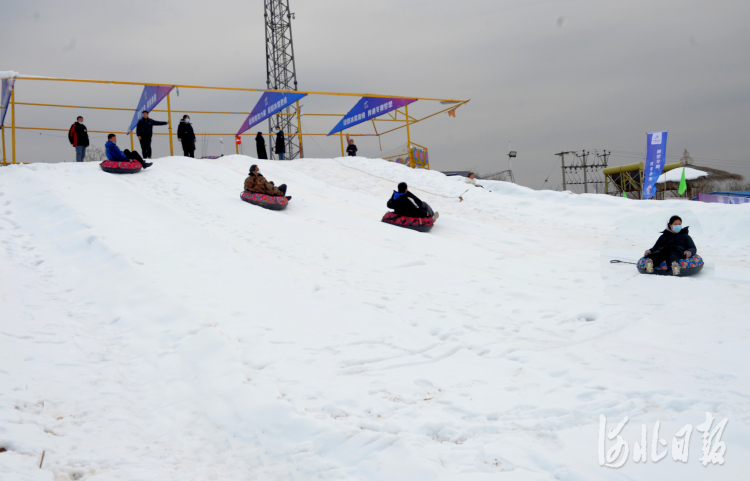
186	136
674	244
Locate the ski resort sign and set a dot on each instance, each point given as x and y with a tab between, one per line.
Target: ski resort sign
368	108
656	152
150	98
269	104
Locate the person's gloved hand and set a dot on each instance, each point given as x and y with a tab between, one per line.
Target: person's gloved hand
647	253
688	255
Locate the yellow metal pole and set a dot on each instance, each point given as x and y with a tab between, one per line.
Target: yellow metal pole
13	121
2	129
169	121
299	130
236	145
408	139
131	141
341	134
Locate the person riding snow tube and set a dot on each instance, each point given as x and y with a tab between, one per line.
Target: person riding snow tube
409	211
115	167
421	224
674	253
273	202
688	267
259	191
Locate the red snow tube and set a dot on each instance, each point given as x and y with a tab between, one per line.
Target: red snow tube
266	201
115	167
421	224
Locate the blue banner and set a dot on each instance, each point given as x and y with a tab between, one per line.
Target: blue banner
5	98
656	152
269	104
150	98
368	108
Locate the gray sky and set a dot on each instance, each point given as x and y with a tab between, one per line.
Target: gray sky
548	76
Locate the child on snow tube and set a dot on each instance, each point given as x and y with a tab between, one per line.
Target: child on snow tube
673	245
261	192
409	211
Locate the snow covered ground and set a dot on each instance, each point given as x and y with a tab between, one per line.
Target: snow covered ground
155	327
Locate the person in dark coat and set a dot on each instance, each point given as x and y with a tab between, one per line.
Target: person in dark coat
78	137
406	204
280	144
186	136
351	149
256	183
145	130
114	153
674	244
260	146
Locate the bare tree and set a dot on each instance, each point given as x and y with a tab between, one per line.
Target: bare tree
95	154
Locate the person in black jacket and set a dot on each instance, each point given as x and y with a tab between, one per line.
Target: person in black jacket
260	146
186	136
674	244
280	146
145	129
78	137
406	204
351	149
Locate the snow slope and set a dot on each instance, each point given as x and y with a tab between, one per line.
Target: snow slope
155	327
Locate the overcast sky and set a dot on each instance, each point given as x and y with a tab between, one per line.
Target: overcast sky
546	75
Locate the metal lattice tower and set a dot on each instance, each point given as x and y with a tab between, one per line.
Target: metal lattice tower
280	71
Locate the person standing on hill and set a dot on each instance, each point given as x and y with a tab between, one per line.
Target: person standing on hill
145	130
78	137
260	146
351	149
280	144
186	136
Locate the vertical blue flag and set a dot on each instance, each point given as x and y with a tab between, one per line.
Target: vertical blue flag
269	104
150	98
656	153
7	88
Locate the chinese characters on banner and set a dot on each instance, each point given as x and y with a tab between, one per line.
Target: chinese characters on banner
150	98
368	108
656	152
712	447
269	104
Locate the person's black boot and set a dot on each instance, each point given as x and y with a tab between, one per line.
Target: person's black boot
146	165
288	197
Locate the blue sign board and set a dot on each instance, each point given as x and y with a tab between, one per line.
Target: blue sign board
150	98
656	153
269	104
368	108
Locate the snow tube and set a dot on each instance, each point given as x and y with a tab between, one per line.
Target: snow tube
115	167
266	201
421	224
688	267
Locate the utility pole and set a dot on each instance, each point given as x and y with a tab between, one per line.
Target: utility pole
583	156
281	73
562	159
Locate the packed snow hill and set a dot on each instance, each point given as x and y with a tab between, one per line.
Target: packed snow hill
155	327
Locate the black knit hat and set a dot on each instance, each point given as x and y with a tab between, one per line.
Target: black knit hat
402	187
